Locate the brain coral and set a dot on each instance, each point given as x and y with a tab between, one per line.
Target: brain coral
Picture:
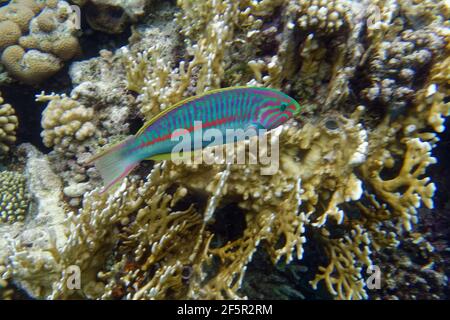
14	198
39	37
8	126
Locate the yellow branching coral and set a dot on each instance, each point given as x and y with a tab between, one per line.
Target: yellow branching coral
343	276
313	153
148	224
318	180
163	86
404	192
351	173
430	100
149	227
273	207
399	147
95	238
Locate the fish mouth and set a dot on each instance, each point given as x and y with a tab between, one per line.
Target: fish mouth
296	111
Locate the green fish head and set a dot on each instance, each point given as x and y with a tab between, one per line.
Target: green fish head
297	108
290	104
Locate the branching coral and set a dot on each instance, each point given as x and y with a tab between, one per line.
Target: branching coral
430	101
40	35
404	192
156	221
8	127
401	148
343	276
238	28
349	179
65	122
161	86
396	144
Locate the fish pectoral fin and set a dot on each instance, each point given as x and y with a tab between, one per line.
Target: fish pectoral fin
254	125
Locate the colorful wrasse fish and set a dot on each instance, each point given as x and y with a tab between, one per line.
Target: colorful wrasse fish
223	109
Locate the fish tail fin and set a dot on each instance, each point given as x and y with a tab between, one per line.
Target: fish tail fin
115	163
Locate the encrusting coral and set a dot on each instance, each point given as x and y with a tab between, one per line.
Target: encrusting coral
395	65
8	127
324	16
352	168
39	37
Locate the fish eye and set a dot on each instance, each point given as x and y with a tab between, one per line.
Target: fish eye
283	106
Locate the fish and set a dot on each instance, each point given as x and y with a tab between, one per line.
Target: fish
227	108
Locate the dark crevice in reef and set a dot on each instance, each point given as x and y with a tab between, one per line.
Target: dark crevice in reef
19	293
447	99
442	172
437	225
28	110
264	280
229	224
360	81
439	174
135	124
92	41
357	84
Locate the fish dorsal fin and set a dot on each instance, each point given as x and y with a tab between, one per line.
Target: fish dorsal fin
187	100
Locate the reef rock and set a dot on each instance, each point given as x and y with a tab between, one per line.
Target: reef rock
27	248
113	16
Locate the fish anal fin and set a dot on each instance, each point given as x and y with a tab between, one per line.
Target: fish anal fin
160	157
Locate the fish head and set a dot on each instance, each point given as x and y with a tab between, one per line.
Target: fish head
286	108
277	109
289	106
